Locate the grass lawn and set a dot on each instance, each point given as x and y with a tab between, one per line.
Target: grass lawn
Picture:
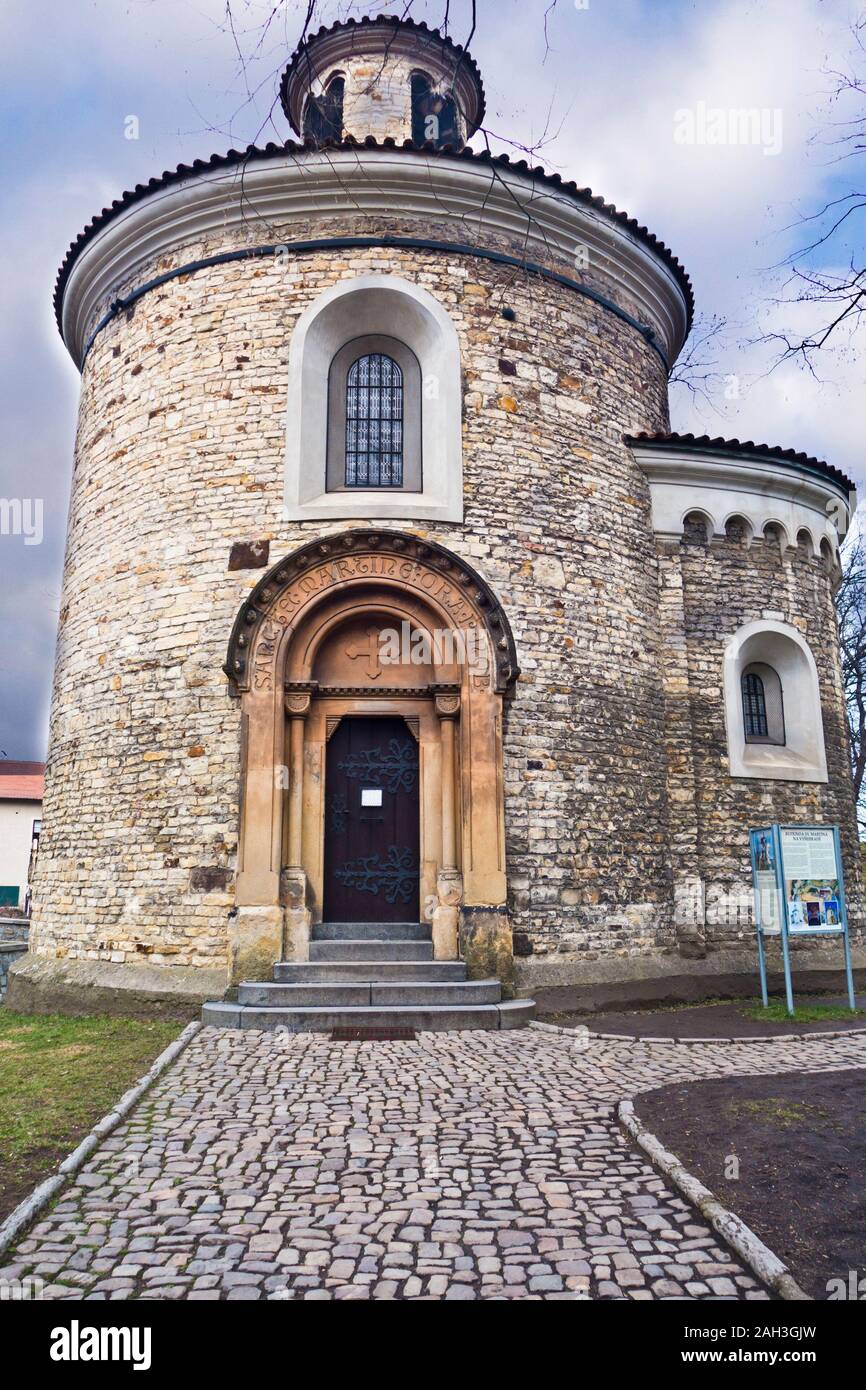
777	1012
723	1018
58	1076
801	1145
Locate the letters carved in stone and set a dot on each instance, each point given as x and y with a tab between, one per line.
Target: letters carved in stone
409	574
265	656
288	589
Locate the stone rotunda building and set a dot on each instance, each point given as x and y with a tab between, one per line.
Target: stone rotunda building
402	646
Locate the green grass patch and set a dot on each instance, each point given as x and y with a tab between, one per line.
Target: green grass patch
58	1076
782	1113
777	1012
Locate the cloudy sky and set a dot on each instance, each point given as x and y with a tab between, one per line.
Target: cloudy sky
602	93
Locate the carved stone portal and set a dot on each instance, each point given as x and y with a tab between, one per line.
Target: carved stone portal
374	624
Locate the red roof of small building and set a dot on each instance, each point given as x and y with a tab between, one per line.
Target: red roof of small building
21	781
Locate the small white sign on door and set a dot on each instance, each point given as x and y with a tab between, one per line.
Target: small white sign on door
371	796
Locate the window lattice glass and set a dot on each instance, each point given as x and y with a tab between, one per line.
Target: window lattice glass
754	706
374	422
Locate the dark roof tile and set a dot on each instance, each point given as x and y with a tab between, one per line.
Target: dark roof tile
292	147
418	25
703	443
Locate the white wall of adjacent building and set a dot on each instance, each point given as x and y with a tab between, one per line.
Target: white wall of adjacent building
16	836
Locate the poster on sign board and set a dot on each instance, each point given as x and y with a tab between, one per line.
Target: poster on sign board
767	909
811	878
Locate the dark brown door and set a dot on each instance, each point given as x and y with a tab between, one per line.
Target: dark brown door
371	823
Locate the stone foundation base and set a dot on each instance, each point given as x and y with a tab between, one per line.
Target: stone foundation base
565	983
10	951
39	985
296	939
255	943
486	945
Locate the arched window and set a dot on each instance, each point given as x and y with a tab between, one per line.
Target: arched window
323	115
754	706
773	715
406	323
374	416
374	422
434	115
763	710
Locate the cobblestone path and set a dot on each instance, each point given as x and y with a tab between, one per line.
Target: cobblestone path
457	1166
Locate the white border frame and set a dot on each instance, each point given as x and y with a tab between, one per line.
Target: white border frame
802	758
365	305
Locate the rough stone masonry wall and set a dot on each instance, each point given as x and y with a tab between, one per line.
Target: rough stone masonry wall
180	454
10	950
377	97
725	584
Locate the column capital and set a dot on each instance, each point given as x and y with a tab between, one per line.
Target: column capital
298	698
446	699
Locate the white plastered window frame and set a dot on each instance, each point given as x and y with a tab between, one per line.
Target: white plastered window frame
369	305
802	757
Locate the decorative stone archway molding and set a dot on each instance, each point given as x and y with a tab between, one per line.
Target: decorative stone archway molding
281	664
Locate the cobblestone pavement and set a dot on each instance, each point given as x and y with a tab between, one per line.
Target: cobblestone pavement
457	1166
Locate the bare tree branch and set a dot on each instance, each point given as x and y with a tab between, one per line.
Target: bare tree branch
697	367
837	298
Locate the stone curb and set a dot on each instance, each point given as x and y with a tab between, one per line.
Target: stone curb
745	1244
40	1197
687	1042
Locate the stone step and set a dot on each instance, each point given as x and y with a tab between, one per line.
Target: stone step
512	1013
313	972
371	949
328	996
376	931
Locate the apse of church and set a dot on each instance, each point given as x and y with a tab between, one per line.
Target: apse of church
390	598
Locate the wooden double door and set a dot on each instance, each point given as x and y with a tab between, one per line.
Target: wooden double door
371	822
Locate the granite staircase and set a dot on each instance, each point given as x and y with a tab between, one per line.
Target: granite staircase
376	977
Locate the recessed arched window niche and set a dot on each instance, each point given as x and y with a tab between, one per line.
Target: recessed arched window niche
327	476
434	114
323	112
773	705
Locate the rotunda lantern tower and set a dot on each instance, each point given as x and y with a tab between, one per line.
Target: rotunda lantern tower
386	77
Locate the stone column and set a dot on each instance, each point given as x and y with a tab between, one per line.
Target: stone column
255	935
293	879
449	883
449	828
297	708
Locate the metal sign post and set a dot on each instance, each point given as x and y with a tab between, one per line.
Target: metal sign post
799	891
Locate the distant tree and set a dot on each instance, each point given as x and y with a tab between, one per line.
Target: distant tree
827	270
851	611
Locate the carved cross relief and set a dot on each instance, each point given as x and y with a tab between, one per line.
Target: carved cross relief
370	651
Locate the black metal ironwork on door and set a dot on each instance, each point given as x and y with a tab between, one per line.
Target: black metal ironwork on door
371	823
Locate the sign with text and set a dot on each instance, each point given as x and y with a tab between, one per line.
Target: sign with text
799	891
812	875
